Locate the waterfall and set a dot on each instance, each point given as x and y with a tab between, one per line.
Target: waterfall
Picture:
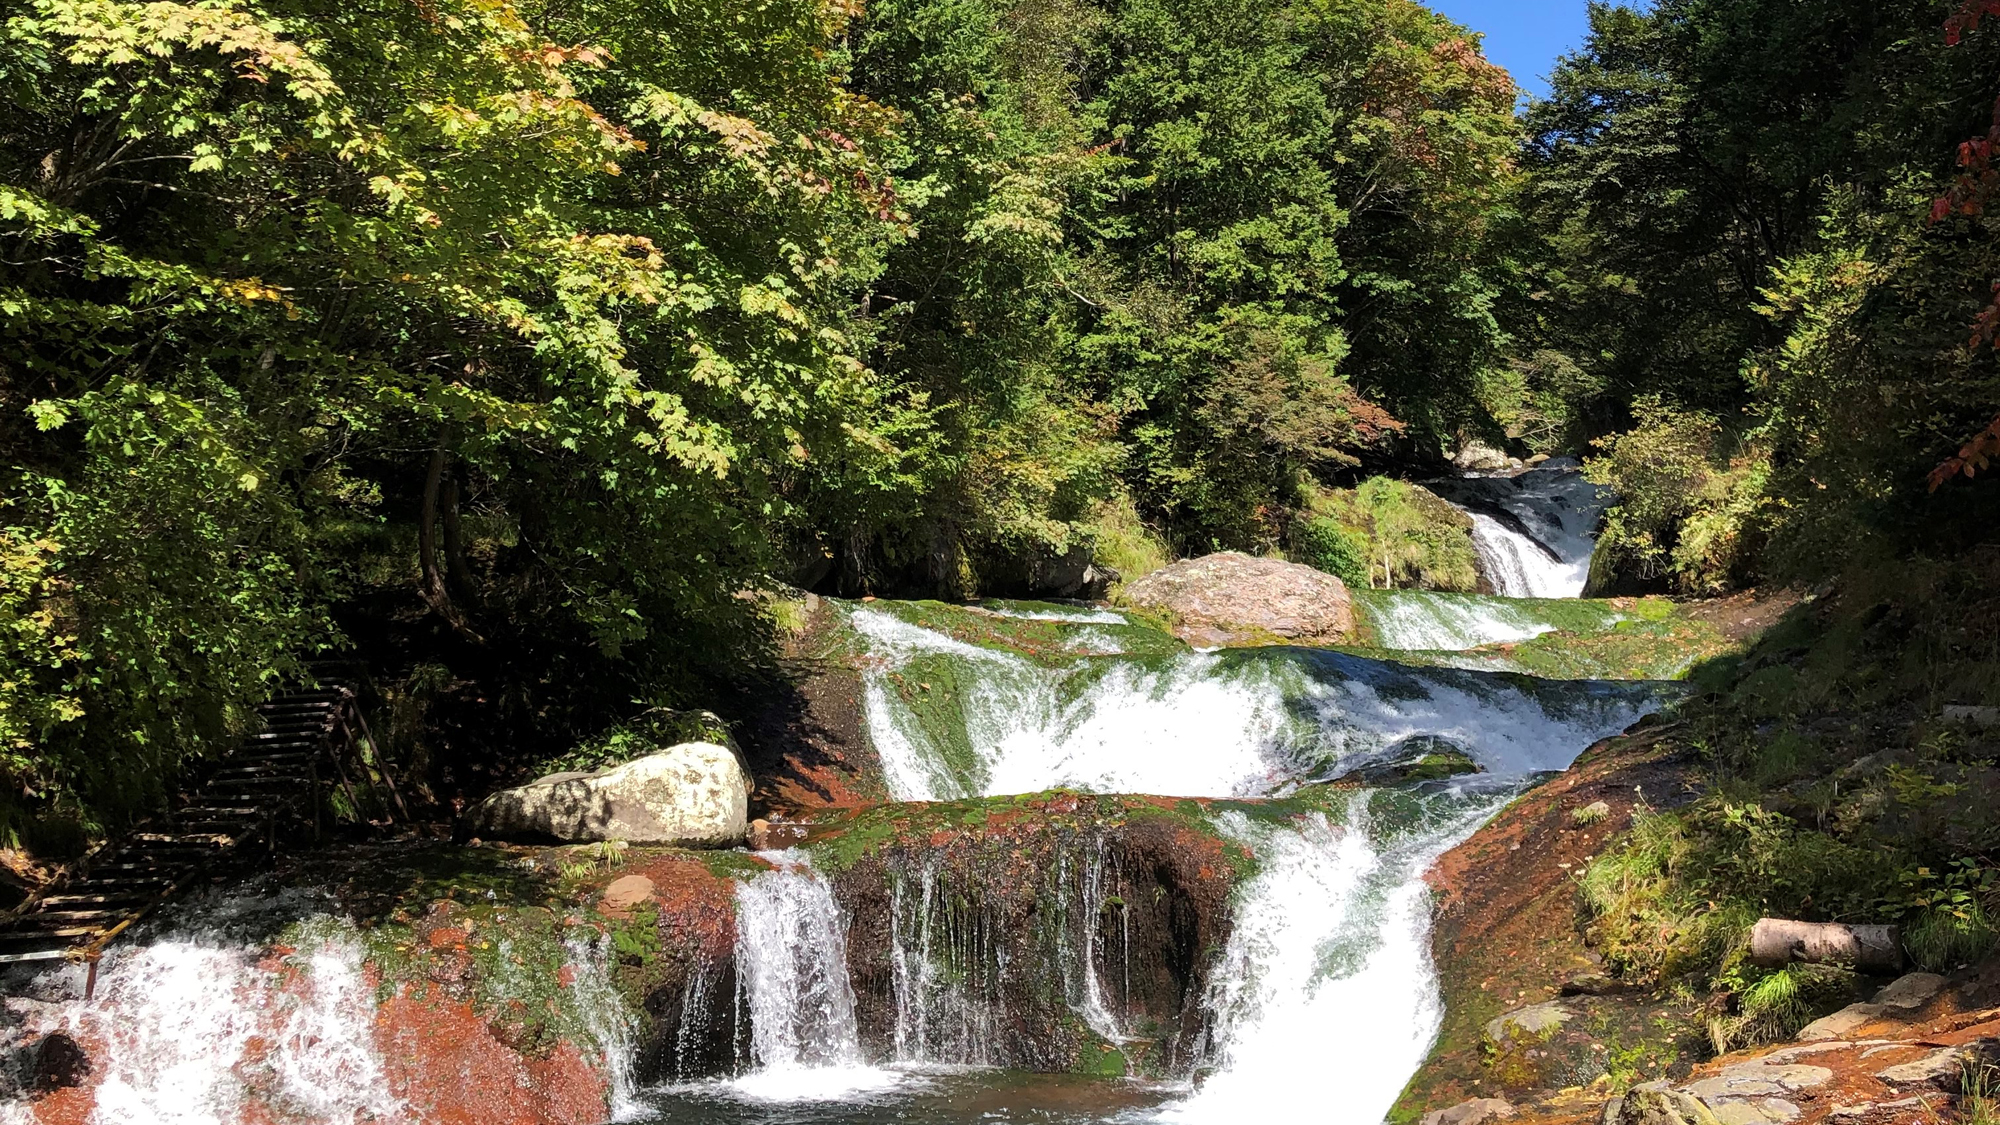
945	971
606	1020
1241	723
1520	567
200	1019
791	963
1544	550
1326	984
1325	988
1430	620
184	1027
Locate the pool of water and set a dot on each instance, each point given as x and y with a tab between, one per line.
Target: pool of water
986	1097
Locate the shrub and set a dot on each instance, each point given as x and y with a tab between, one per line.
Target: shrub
1691	502
1405	536
1321	543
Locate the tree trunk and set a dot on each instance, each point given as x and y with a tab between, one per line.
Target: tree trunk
454	546
1777	942
431	584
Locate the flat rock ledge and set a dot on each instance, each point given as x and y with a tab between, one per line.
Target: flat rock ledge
692	795
1230	598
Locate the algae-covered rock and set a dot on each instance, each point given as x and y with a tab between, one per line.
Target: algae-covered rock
1536	1023
1531	1048
1231	598
694	795
1656	1104
1423	757
1474	1112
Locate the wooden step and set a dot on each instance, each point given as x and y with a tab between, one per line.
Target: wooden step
135	898
33	933
202	840
58	916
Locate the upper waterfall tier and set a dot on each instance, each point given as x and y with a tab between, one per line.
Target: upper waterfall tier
950	718
1534	531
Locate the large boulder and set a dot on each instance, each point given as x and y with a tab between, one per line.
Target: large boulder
693	795
1231	598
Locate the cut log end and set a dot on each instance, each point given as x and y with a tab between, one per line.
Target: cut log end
1777	942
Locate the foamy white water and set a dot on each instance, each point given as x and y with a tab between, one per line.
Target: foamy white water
1245	723
1325	1000
791	960
1049	611
607	1021
1431	620
1520	567
1559	511
182	1027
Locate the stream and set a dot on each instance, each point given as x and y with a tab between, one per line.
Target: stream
1319	1005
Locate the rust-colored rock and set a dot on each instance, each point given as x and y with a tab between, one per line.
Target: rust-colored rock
1231	598
442	1059
627	891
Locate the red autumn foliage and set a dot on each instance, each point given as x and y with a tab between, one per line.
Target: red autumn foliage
1976	184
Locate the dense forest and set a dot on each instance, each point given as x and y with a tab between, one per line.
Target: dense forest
516	347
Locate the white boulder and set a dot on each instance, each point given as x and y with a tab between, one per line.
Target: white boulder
693	795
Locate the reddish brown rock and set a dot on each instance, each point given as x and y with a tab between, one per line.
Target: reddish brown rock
444	1061
1234	599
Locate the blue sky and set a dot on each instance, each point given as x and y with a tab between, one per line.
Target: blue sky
1525	36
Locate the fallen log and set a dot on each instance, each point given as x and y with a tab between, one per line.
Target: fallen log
1777	942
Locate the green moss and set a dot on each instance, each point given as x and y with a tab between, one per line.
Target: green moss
1105	1060
1622	639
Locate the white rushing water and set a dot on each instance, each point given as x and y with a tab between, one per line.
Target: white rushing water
185	1026
1430	620
1520	567
1559	511
791	964
199	1023
1325	999
1200	724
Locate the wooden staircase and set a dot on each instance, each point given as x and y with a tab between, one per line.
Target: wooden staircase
314	748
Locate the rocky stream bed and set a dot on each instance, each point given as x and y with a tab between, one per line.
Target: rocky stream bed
1021	862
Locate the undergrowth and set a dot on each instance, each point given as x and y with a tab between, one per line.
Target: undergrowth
1834	790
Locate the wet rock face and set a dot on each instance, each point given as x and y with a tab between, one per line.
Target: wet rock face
695	795
1073	936
687	980
1231	598
60	1063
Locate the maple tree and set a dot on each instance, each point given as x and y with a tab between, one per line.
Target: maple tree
1977	182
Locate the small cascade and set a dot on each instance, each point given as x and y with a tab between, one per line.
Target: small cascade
606	1020
1520	567
791	963
1326	983
1078	957
1533	532
1430	620
946	970
196	1028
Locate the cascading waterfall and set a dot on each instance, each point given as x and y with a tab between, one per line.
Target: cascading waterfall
1520	567
1242	723
945	971
198	1023
187	1025
606	1020
1548	554
1336	923
1430	620
791	963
